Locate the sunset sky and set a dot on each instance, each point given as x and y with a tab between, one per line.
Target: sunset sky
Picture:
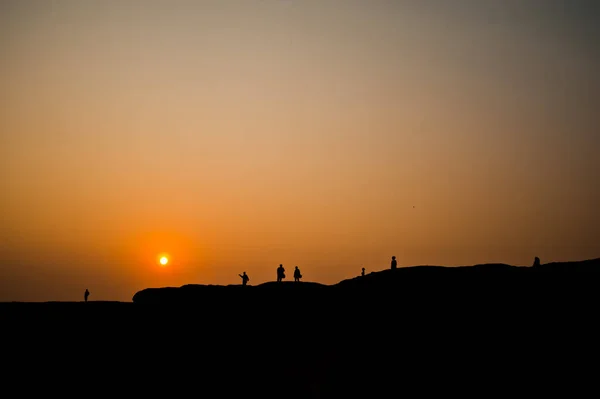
238	135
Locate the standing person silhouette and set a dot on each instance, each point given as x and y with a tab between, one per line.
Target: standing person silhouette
245	278
394	263
280	273
363	272
297	275
86	295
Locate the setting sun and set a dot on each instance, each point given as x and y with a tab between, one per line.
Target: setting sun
164	260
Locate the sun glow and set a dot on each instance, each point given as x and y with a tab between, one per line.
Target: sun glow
163	260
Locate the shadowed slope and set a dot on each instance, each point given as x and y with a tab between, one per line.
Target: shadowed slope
197	293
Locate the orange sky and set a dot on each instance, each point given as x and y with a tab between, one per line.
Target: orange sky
238	135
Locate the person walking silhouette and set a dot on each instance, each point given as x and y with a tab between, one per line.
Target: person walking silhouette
394	263
280	273
297	275
86	295
245	278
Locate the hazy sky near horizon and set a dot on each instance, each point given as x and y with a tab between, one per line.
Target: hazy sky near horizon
238	135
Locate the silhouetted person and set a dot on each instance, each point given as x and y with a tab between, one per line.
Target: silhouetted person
245	278
394	263
86	295
363	272
536	261
280	273
297	275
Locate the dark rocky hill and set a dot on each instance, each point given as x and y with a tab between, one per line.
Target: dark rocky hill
483	330
486	282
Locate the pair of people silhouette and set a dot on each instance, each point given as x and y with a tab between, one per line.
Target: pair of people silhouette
281	274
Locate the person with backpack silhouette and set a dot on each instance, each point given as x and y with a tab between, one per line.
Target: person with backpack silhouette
280	273
245	278
86	295
394	263
297	275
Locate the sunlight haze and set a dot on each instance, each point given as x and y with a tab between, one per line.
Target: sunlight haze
238	135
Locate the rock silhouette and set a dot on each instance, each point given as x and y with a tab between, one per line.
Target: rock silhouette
491	281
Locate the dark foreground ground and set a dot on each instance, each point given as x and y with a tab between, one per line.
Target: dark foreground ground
487	331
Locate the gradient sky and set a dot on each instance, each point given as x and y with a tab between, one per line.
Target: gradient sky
238	135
